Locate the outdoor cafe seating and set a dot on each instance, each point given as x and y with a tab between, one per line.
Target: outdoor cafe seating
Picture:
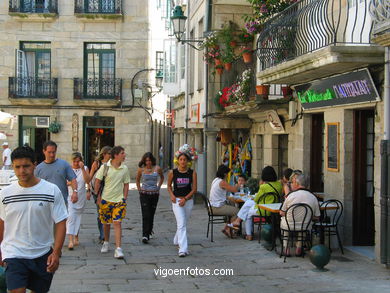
212	219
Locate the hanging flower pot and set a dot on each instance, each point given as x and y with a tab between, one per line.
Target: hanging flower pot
233	44
219	69
247	57
263	91
286	91
217	62
228	66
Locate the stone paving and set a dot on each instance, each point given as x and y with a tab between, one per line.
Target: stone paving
255	269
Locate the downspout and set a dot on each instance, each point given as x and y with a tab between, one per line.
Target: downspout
385	165
208	14
186	73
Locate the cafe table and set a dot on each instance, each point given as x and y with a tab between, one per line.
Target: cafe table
274	208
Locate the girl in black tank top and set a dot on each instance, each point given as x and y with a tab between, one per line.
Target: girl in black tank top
182	182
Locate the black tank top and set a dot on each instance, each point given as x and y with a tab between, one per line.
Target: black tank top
182	182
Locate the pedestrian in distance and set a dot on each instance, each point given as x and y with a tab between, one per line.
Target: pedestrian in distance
7	165
76	209
184	181
29	208
112	198
103	157
57	171
151	177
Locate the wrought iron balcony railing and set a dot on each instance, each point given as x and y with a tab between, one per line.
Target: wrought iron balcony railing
98	88
32	87
33	6
309	25
98	6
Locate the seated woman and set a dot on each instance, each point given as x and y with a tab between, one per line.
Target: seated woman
218	202
268	183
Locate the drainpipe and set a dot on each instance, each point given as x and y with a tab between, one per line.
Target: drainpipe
207	27
385	165
187	75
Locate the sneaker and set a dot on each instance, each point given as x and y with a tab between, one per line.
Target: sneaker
118	253
182	254
145	240
105	247
151	235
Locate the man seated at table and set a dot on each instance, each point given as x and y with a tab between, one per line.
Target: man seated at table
218	190
268	184
299	194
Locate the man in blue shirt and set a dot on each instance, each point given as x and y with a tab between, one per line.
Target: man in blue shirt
57	171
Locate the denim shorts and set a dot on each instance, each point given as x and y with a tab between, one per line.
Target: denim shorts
28	273
111	211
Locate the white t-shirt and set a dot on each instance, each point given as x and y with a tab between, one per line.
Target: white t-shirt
7	153
217	194
29	215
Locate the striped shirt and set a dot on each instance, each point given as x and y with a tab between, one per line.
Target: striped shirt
29	215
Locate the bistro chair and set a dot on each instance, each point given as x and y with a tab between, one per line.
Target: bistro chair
264	217
298	220
331	212
213	219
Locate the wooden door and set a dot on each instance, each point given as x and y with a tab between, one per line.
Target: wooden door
363	178
317	153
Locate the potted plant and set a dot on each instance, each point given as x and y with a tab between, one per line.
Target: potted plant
263	90
244	37
246	53
228	57
286	91
54	127
222	98
219	69
211	55
210	41
239	91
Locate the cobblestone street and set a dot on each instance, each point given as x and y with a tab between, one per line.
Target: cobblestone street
255	269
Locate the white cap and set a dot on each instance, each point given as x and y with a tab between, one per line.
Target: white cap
5	143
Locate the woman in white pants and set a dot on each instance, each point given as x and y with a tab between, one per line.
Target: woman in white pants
184	182
76	209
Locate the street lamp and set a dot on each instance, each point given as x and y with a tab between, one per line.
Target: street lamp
179	22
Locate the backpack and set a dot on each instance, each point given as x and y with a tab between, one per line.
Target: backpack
100	191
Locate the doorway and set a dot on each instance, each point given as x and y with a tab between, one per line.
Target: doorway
282	154
32	134
363	178
317	153
98	132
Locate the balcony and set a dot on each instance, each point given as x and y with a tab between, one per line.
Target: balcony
98	91
316	38
380	11
98	9
32	90
30	10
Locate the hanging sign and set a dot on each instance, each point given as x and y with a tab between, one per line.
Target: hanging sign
349	88
274	121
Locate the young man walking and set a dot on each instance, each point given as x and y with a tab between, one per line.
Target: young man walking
112	200
6	156
28	210
57	171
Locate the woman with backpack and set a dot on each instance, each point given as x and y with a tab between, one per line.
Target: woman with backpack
103	157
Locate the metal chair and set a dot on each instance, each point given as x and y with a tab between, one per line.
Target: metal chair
298	218
332	211
213	219
264	217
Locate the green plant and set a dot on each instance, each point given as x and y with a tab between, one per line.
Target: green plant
227	55
245	49
210	41
253	185
245	37
226	34
54	127
264	9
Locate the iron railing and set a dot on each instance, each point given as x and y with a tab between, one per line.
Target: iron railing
309	25
98	6
98	88
33	6
32	87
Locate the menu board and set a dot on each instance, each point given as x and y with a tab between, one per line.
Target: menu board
332	147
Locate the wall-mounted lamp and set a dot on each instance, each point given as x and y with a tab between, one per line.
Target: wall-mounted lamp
179	26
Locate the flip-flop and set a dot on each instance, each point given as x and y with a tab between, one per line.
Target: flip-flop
230	225
228	234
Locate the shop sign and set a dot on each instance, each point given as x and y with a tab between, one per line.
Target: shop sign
274	121
349	88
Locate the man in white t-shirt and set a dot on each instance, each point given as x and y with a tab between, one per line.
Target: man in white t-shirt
6	156
28	209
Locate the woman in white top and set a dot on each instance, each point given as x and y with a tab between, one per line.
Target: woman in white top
218	202
76	209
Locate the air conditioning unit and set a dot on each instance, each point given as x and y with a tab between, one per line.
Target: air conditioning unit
42	122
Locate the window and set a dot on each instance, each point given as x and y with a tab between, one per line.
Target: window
99	69
100	6
170	67
33	69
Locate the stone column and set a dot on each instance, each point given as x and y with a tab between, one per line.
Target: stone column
197	133
182	137
211	153
271	150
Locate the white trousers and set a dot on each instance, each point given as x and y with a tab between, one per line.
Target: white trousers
246	212
74	220
182	214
